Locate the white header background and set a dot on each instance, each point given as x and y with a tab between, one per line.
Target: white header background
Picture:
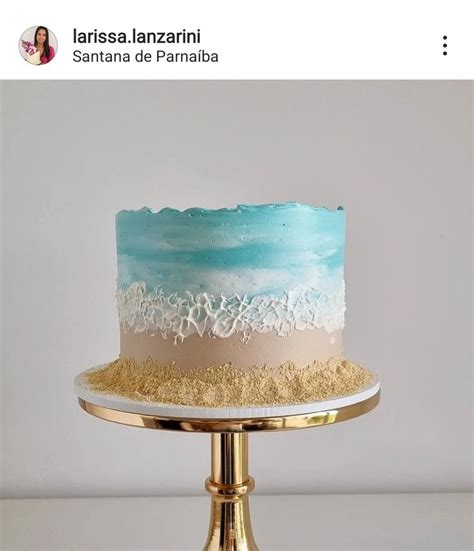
308	39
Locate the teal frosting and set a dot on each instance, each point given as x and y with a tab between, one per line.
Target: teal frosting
249	249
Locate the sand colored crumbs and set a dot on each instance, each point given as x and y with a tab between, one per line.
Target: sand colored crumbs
227	386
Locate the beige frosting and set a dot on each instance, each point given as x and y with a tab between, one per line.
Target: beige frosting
301	347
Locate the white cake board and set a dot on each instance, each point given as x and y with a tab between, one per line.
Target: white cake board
113	401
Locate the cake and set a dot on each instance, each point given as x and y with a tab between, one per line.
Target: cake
233	306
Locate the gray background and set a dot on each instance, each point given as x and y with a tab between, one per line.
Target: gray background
397	155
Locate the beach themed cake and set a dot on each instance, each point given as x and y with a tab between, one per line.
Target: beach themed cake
231	307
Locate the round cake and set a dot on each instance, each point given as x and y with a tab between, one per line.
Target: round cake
232	306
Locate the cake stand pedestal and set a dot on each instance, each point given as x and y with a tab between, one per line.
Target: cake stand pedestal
230	483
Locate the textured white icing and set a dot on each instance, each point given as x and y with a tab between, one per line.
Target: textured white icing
297	309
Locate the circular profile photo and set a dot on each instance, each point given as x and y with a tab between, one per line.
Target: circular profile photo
38	45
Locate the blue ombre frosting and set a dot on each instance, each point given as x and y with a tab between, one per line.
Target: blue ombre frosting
249	249
274	267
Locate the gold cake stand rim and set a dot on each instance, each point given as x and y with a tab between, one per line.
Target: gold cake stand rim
219	425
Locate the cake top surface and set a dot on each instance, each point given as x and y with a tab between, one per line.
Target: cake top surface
249	208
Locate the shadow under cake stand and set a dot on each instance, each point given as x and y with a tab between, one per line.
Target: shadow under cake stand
230	482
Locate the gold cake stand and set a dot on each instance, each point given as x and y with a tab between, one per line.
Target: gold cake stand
230	483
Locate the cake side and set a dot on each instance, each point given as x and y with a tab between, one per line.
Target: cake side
257	282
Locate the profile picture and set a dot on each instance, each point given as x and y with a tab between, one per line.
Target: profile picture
38	45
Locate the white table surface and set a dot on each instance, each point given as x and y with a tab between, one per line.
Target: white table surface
290	523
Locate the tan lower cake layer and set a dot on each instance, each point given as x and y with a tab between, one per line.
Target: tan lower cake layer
228	386
301	347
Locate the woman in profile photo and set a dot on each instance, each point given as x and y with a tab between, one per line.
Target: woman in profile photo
46	51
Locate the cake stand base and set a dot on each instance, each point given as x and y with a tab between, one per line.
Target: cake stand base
230	483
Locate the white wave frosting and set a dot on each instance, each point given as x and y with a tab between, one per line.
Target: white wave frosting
299	308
